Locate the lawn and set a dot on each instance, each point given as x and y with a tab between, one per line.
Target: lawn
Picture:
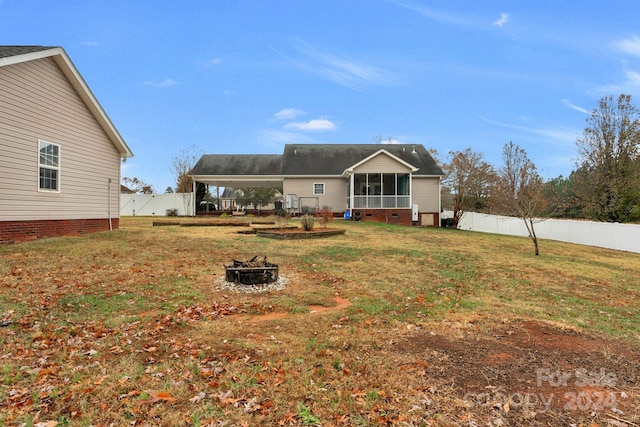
383	325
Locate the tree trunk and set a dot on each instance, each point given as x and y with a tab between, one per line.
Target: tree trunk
532	234
528	222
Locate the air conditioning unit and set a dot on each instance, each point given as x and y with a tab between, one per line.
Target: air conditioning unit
291	201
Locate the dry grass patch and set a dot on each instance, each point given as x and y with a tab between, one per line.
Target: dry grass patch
129	328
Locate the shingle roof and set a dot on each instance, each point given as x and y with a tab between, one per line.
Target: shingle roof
312	159
7	51
241	164
334	159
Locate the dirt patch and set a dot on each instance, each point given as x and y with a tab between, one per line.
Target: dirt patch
341	303
523	369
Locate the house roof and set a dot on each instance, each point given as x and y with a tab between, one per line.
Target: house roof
335	159
242	170
10	55
239	170
8	51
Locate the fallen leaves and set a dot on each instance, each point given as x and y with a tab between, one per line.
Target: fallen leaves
162	397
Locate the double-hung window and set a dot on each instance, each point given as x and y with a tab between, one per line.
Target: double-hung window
48	166
318	188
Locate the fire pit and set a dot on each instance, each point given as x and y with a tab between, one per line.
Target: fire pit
254	271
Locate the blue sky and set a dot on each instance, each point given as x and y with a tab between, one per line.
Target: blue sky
236	77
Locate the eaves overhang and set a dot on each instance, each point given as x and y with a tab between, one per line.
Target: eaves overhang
240	181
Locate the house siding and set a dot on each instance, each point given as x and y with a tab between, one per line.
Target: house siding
382	163
426	194
39	103
335	191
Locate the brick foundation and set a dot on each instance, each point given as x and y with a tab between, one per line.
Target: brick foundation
24	231
390	216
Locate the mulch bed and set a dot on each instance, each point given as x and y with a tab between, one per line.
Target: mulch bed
298	233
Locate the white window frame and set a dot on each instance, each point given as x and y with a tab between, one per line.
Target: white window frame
315	193
56	167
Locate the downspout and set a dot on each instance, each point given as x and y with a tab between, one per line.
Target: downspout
410	190
109	206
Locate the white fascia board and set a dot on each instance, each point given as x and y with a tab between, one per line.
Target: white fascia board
31	56
238	177
238	181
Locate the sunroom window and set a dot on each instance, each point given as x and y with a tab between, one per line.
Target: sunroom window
375	190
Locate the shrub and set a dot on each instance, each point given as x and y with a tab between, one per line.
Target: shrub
326	216
172	212
307	222
282	218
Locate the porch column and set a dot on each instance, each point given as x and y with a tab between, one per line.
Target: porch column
193	197
350	195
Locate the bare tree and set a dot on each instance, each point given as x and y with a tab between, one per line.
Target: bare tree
137	185
609	162
468	179
182	165
519	190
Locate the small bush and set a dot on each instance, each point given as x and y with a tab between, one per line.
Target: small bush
224	215
172	212
307	222
282	218
326	216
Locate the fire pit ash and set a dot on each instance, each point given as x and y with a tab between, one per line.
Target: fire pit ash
254	271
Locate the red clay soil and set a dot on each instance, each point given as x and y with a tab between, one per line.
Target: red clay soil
529	373
518	373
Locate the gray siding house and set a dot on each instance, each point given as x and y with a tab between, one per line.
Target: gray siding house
61	152
395	183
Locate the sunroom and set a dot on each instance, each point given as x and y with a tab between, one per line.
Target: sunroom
379	191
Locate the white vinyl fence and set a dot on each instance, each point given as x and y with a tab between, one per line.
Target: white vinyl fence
155	204
624	237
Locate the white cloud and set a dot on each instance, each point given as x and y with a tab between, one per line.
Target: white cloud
288	114
633	77
504	18
630	86
429	13
317	125
558	133
165	83
344	71
91	43
212	62
630	46
568	103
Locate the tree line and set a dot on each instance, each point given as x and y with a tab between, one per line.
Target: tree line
604	186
